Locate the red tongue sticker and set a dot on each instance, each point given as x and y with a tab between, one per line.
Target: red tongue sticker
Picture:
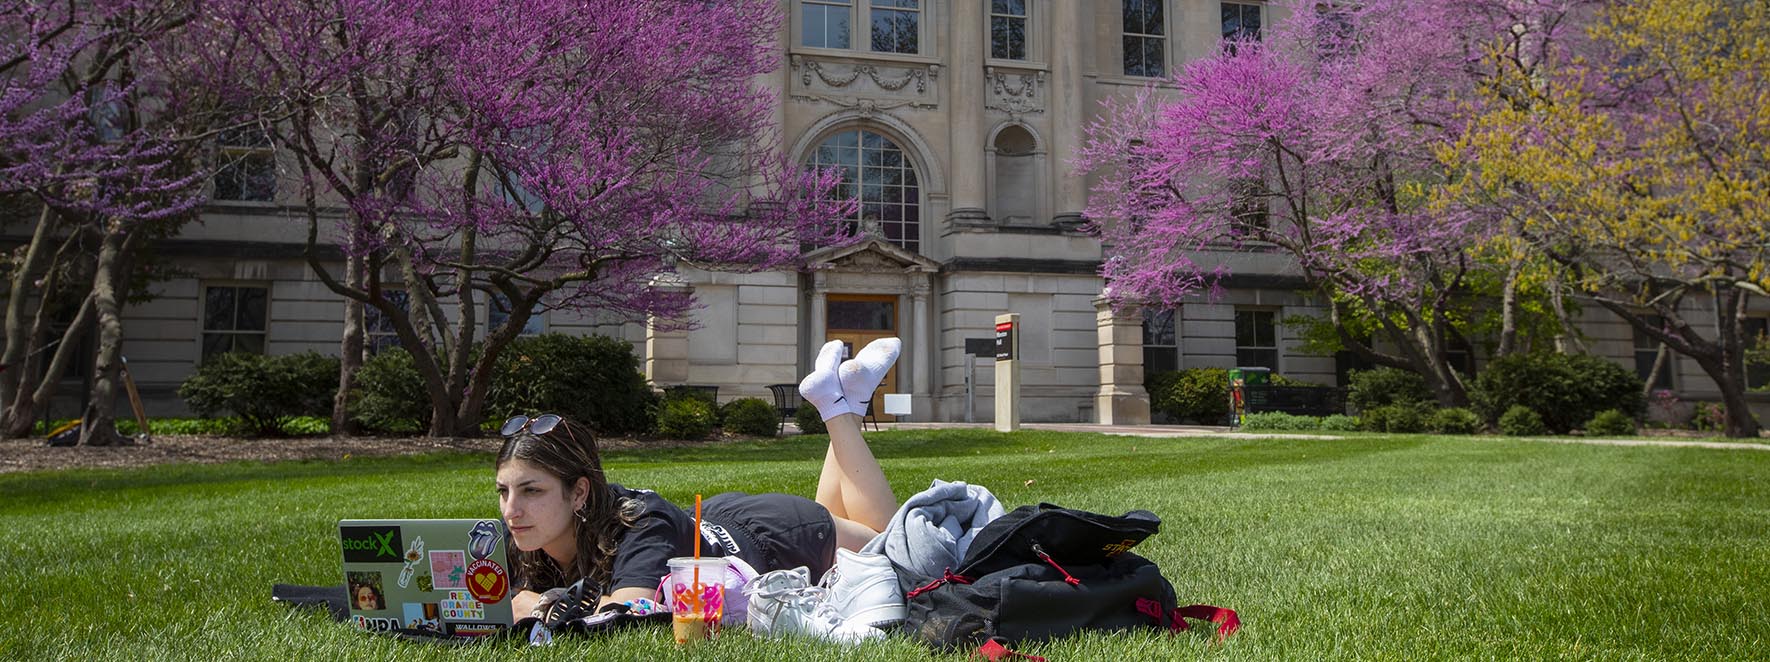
487	581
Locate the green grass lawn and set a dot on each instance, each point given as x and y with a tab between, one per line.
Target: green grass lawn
1368	547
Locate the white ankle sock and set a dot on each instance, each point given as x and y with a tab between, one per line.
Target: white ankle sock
861	375
822	388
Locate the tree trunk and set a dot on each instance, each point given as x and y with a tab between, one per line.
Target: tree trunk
1660	361
12	370
98	424
1509	311
1729	305
350	351
1566	337
67	351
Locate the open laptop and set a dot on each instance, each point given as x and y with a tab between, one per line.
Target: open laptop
443	576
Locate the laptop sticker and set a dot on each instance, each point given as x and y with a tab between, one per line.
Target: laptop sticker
448	568
371	544
414	554
460	606
365	591
487	581
484	537
423	616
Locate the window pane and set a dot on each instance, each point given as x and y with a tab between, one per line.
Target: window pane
251	343
895	31
1757	373
811	26
1133	48
252	306
217	343
1153	65
862	315
218	308
1160	359
1158	327
1007	38
1249	358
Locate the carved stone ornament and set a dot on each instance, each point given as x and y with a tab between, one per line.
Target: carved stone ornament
903	86
1014	93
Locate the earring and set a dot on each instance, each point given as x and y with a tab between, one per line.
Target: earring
581	516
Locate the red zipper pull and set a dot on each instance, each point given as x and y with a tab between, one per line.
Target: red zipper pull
1072	581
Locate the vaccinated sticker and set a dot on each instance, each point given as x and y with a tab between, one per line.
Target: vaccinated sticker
487	581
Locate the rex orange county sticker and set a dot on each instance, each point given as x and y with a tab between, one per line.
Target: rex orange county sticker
487	581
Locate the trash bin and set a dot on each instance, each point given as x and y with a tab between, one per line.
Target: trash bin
1239	379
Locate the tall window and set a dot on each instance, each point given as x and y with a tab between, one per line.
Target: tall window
498	313
1256	339
876	174
1247	206
234	319
893	26
1007	29
1161	351
378	328
248	166
1143	39
1757	373
1647	351
1241	22
825	23
896	26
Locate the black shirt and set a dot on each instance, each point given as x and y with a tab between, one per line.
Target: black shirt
662	531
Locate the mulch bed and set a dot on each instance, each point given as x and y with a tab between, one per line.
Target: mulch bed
33	455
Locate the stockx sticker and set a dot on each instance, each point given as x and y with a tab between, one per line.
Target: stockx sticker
487	581
372	544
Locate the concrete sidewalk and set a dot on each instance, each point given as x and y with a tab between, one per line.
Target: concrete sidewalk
1224	432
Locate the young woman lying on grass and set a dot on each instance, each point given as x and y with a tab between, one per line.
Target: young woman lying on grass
569	523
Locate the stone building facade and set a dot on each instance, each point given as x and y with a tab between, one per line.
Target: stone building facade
956	120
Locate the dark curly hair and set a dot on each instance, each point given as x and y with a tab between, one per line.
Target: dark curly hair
568	452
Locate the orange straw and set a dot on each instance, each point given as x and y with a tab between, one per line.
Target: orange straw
695	601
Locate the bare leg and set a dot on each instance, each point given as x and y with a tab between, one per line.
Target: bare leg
865	495
829	485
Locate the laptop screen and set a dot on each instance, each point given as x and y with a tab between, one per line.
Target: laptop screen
446	576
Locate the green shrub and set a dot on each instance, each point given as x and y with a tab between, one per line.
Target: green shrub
1610	423
1378	387
1522	421
1709	417
594	380
389	395
308	425
808	420
685	418
1454	420
1405	418
265	392
751	416
1375	419
1198	395
1340	423
1565	390
1278	420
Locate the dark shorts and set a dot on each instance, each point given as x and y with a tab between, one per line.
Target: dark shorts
774	531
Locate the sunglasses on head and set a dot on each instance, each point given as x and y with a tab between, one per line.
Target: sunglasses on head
542	424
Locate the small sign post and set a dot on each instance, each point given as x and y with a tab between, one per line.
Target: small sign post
1008	372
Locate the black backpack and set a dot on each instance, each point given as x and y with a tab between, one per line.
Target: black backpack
1041	572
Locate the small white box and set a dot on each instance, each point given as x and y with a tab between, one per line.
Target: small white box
897	404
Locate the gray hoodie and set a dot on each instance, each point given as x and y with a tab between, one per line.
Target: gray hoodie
932	530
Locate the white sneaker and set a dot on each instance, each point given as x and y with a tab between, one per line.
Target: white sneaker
784	602
863	588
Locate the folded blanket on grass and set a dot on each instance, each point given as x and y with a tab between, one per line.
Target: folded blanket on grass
931	531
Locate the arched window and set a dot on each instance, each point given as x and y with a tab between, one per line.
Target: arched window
877	175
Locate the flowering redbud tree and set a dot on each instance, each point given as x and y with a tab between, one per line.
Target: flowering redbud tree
552	155
1319	144
108	152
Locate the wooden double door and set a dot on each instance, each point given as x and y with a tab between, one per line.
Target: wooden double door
858	319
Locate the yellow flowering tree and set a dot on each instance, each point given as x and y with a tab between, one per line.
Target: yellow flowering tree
1636	157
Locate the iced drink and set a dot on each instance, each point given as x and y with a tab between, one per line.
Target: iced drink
696	591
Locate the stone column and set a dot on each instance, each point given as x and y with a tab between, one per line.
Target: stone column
666	351
1070	22
819	315
922	344
966	103
1121	399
